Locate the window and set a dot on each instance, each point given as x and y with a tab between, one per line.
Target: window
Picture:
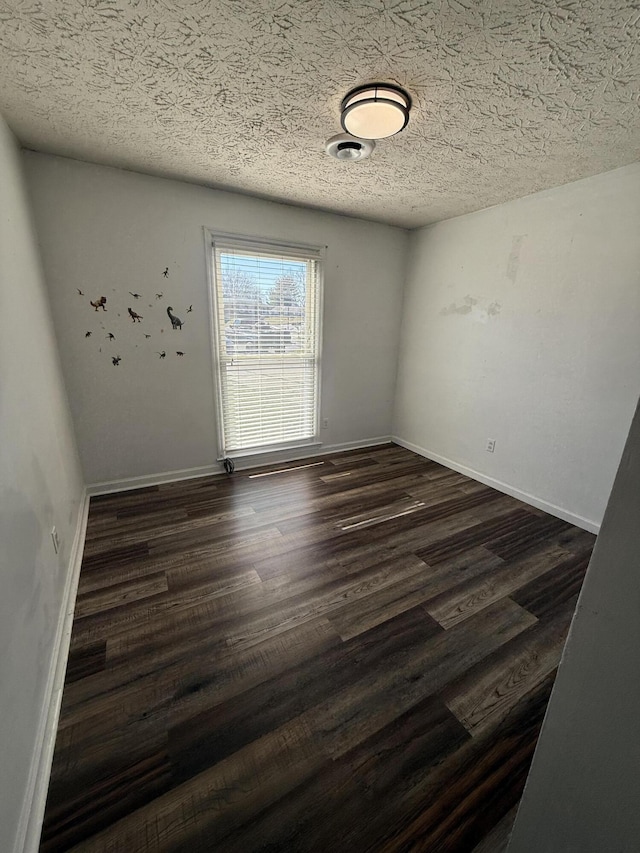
267	343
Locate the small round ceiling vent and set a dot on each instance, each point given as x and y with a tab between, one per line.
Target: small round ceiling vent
346	147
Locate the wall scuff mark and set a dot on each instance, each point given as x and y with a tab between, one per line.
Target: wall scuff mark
513	262
479	309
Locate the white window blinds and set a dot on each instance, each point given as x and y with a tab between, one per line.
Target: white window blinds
267	324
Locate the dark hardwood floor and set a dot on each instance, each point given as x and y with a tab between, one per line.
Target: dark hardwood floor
354	655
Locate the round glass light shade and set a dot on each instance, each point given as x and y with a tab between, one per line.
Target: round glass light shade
375	112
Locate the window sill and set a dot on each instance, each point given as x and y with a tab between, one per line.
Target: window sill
271	451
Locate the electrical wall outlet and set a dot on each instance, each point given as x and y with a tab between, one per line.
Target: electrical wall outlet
55	539
491	445
325	423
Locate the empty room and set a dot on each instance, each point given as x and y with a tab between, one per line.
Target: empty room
319	440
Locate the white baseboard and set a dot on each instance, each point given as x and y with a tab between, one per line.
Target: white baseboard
32	815
129	483
532	500
241	464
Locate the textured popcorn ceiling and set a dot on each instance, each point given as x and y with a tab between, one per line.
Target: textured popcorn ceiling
509	97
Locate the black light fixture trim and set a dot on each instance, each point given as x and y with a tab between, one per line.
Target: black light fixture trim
377	87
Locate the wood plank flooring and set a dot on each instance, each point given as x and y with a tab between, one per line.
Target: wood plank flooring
350	656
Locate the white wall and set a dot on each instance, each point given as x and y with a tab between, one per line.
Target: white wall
584	787
108	232
522	324
40	486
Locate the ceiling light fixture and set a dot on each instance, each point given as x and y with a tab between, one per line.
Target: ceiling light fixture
375	111
345	147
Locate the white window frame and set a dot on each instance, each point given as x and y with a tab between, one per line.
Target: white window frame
317	253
